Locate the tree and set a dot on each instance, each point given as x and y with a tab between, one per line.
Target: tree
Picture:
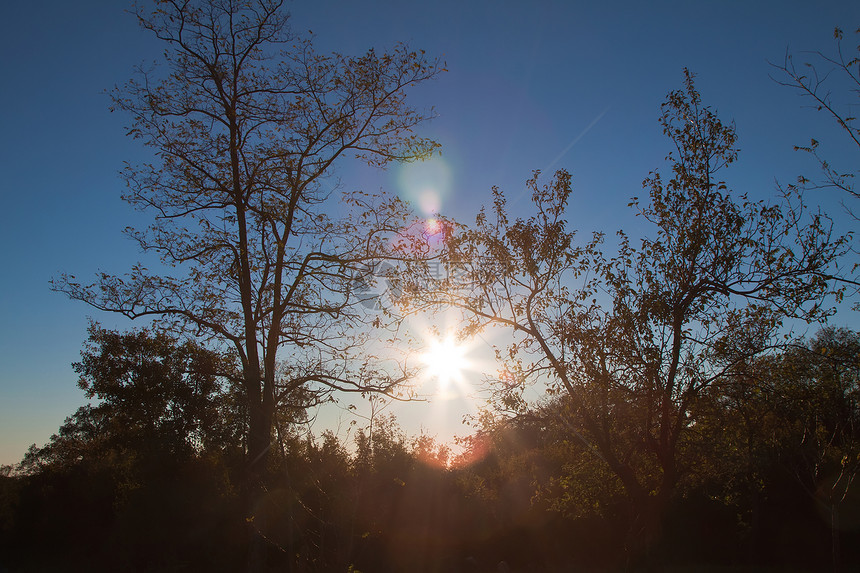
819	75
155	398
153	391
147	463
785	430
815	391
246	122
631	339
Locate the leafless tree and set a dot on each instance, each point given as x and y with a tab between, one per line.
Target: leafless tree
246	122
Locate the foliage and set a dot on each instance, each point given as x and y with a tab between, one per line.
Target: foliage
677	424
632	339
785	431
152	395
145	465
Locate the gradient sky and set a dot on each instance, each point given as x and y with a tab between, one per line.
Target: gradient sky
532	85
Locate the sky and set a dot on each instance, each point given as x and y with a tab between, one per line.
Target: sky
531	85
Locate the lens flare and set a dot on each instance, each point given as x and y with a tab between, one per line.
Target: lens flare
432	226
428	202
425	184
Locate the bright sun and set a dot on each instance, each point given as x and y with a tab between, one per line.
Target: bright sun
445	360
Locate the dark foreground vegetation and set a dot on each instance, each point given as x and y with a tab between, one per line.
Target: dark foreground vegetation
151	479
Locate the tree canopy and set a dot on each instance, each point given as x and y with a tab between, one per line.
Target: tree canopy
632	338
247	123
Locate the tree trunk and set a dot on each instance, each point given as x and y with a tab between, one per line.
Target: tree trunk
834	537
256	477
645	534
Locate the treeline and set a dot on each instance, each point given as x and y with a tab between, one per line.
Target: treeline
149	477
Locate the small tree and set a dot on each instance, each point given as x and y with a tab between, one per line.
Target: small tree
632	339
154	398
143	464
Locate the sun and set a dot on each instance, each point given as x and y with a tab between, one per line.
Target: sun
445	360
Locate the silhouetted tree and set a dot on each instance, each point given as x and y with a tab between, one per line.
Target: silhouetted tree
247	121
815	391
633	338
152	395
146	465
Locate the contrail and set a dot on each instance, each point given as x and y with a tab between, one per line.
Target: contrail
576	139
568	148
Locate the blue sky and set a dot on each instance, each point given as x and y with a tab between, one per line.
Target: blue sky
532	85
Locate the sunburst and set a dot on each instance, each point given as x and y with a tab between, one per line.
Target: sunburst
445	360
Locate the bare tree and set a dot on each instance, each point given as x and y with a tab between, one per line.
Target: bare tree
247	121
818	75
